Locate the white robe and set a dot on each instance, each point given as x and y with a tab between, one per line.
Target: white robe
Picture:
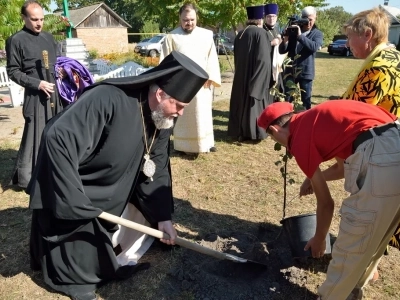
133	243
193	131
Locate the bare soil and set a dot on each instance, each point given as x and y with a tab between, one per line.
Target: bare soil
229	201
11	120
269	273
263	276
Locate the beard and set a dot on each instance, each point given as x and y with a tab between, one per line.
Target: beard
161	121
188	29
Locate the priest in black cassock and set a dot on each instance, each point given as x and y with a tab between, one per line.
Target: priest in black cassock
250	89
103	152
25	66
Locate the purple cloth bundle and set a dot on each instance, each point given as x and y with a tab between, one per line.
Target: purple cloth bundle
71	88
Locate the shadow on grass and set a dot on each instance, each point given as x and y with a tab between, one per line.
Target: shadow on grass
7	163
187	272
321	54
180	273
324	97
202	276
220	117
4	118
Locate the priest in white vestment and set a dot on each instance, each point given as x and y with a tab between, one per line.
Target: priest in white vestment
193	131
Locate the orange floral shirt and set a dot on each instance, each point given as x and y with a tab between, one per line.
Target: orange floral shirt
379	82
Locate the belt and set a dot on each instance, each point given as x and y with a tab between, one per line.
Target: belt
367	135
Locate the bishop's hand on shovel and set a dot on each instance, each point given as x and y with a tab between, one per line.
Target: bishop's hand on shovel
179	241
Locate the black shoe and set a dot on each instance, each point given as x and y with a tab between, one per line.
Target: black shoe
179	152
213	149
86	296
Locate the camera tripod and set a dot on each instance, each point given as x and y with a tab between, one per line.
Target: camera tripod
218	43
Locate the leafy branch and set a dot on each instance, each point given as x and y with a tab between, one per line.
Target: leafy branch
294	91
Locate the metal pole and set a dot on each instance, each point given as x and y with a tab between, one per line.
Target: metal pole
66	14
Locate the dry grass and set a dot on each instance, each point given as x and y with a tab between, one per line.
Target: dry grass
238	188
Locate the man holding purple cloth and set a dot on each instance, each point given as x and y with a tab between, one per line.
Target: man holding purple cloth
72	78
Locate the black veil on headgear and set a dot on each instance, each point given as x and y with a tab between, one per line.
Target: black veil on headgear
177	75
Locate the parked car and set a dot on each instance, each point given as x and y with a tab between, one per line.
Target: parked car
339	47
223	45
140	45
152	47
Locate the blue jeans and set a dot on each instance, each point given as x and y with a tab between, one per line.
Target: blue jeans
306	89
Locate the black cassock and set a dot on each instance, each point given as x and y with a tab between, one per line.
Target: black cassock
251	83
90	161
25	67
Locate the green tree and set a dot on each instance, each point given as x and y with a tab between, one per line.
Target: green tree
337	15
79	3
226	14
11	21
148	27
328	26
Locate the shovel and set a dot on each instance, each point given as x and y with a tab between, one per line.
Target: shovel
179	241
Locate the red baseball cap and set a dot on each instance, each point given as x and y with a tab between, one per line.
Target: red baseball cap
273	112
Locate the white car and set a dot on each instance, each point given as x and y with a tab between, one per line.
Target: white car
152	47
140	44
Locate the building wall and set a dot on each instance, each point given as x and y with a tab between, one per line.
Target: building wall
394	34
104	40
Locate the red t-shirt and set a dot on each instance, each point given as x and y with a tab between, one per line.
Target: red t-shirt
329	129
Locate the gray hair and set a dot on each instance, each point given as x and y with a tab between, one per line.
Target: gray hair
154	87
308	10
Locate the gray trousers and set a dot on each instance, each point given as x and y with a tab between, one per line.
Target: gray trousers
369	216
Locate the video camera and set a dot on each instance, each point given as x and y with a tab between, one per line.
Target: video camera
295	20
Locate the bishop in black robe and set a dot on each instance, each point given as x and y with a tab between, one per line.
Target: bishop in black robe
90	161
25	67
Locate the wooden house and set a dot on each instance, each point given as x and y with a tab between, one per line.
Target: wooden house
394	29
99	28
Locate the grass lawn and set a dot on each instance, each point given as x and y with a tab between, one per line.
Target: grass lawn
237	189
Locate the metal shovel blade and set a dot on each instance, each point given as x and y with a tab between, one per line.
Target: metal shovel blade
179	241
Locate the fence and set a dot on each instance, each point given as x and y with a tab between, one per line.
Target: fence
4	80
127	69
104	70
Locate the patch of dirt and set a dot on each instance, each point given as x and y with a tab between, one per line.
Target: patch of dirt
270	273
224	91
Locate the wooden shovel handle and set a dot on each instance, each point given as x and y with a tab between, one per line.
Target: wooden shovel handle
162	235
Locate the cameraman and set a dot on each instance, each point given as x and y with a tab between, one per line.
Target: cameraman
304	43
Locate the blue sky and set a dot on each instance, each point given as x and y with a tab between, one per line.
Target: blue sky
355	6
53	5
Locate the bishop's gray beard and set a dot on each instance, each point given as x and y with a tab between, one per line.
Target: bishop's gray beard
160	121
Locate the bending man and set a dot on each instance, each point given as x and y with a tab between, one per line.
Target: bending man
104	151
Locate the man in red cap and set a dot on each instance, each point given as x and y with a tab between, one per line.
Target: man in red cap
364	140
